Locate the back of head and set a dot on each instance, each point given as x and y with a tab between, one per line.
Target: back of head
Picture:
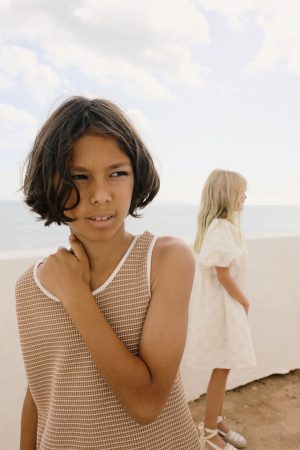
48	182
221	199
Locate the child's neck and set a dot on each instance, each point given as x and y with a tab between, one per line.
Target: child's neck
104	256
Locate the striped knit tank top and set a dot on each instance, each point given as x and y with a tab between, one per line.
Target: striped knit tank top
76	407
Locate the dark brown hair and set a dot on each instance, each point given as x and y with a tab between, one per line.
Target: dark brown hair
51	156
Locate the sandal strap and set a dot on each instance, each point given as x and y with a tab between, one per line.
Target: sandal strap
220	419
222	433
210	433
205	435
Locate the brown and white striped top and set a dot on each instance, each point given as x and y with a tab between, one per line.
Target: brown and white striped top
76	407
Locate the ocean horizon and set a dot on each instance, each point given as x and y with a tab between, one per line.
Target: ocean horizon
21	230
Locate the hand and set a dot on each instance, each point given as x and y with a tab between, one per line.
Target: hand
246	306
66	272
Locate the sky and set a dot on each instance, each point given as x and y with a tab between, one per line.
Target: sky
207	83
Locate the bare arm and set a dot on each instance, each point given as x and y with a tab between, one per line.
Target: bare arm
28	423
141	383
231	287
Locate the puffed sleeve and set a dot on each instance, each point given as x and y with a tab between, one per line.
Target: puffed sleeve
220	246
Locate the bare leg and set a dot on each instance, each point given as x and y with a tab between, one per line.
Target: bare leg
222	425
214	401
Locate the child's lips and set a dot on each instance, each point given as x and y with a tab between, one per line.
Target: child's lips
101	218
101	221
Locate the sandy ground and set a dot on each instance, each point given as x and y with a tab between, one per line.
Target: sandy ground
267	411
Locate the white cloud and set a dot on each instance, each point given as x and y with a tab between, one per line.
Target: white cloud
11	116
143	47
5	83
234	10
19	63
132	78
116	18
139	120
279	21
17	130
282	38
154	36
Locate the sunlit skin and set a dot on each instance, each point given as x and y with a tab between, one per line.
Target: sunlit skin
142	383
104	177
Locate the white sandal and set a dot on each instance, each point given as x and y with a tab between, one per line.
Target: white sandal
206	434
232	437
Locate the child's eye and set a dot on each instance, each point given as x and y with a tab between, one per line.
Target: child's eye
118	174
79	177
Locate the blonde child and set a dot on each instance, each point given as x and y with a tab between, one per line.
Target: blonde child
221	338
103	324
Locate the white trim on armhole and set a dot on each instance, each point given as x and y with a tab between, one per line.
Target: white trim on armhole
149	261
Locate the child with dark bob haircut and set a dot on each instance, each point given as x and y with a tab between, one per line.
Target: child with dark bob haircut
103	324
53	149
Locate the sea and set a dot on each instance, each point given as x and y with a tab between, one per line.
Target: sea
21	230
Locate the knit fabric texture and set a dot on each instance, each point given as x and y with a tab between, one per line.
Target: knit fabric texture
76	407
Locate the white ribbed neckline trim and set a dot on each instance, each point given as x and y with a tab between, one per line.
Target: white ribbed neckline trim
95	291
117	269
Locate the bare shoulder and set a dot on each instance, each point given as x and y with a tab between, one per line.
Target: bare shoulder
24	280
172	252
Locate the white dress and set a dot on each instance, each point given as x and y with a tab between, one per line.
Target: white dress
219	334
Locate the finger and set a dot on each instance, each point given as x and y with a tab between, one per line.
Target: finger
62	249
78	249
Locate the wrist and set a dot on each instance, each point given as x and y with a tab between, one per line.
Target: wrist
75	293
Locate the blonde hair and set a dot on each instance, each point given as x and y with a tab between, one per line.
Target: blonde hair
221	198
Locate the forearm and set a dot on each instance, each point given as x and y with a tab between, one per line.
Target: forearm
128	375
141	383
28	423
231	287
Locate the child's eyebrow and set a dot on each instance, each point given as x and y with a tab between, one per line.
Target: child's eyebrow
111	167
119	164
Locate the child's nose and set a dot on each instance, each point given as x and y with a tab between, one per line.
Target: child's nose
100	193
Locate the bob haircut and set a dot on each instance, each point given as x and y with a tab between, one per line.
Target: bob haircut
48	183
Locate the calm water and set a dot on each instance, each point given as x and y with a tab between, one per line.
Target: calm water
20	230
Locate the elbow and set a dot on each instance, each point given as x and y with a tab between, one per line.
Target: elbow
145	407
145	419
146	414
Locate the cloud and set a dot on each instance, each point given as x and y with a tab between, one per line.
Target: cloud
139	120
279	21
21	66
17	130
142	47
153	37
282	38
11	116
